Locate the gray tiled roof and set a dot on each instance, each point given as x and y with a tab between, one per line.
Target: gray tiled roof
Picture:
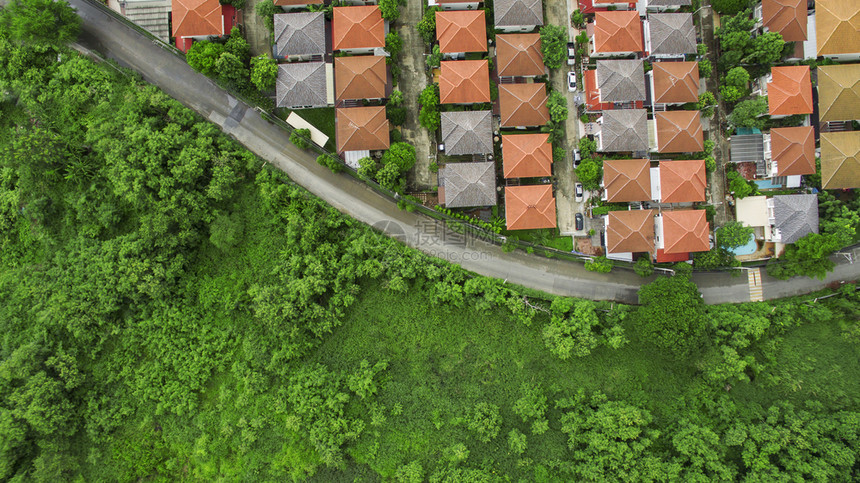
796	216
299	34
672	33
467	132
468	184
301	84
511	13
624	130
621	80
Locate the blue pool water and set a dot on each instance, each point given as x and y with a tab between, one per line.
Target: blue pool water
766	184
747	249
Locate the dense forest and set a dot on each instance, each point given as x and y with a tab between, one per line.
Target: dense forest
171	308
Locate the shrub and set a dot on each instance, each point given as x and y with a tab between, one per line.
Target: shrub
553	45
599	264
643	267
301	138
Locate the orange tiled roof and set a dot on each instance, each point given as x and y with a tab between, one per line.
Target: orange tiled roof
790	91
523	104
193	18
529	207
526	155
685	231
619	31
679	132
362	128
627	179
676	82
357	28
288	3
837	25
682	181
464	82
519	55
630	231
787	17
360	77
461	31
793	149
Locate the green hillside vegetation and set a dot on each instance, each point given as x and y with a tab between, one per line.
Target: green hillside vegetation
172	309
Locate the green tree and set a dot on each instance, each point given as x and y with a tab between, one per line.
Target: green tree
390	9
734	234
766	49
672	313
484	421
226	230
396	98
264	72
395	114
599	264
412	472
429	116
738	77
557	105
644	267
730	7
301	138
393	45
738	185
731	93
266	10
427	25
435	57
203	55
575	335
231	69
40	23
517	442
577	19
749	113
705	68
553	45
589	173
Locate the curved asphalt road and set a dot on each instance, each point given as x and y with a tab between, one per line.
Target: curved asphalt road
104	34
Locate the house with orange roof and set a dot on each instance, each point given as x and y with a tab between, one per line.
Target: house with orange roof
678	233
519	55
361	129
529	207
629	232
626	180
840	160
290	5
616	34
785	17
517	15
464	82
523	105
526	155
200	19
681	181
674	83
358	30
792	151
461	31
789	91
837	31
679	132
454	4
360	77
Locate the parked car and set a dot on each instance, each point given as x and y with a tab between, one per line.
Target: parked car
576	158
579	192
571	53
580	221
571	81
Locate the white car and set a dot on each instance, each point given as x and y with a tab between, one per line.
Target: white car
579	192
571	81
571	53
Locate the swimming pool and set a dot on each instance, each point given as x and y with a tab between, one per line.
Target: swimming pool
767	184
747	249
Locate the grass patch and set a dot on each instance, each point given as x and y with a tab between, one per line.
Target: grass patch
546	238
321	118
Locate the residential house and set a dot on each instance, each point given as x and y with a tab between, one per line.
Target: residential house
840	160
837	31
518	55
780	219
629	232
789	91
360	77
362	129
461	31
464	82
358	30
529	207
678	233
467	132
517	15
301	85
289	5
626	180
623	130
670	35
663	5
674	83
785	17
792	152
153	15
839	92
200	19
679	132
464	185
523	105
454	4
526	155
615	84
616	34
681	181
300	36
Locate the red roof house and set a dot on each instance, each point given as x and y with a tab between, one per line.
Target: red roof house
790	91
461	31
526	155
357	28
464	82
198	19
682	181
685	231
529	207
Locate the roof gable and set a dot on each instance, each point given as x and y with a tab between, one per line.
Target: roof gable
685	231
790	91
301	84
793	149
619	31
621	80
840	160
467	132
676	82
300	33
464	82
630	231
360	77
679	132
461	31
526	155
682	181
361	129
837	25
627	180
519	55
529	207
624	130
839	92
795	216
468	184
514	13
523	104
357	28
787	17
672	33
197	18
